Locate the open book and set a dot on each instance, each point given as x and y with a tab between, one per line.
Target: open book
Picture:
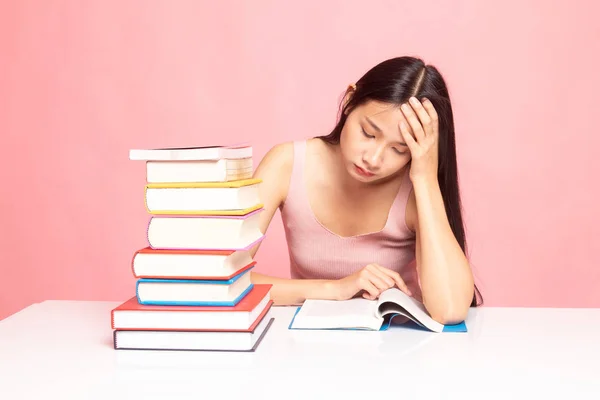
360	313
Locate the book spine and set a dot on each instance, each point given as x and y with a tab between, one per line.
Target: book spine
133	263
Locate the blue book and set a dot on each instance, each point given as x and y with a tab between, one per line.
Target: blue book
363	314
194	292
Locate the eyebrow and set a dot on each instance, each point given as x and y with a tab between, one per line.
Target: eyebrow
378	129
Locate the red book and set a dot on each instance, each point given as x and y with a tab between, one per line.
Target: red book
243	317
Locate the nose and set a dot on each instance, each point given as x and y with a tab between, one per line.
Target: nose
373	158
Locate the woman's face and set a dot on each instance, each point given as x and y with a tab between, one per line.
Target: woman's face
371	144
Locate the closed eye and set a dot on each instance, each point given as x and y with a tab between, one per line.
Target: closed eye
366	134
398	151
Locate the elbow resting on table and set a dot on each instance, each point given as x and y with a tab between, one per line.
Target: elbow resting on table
449	317
449	314
447	306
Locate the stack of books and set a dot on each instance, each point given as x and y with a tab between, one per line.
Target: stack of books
193	289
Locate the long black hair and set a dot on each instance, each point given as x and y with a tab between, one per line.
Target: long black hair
395	81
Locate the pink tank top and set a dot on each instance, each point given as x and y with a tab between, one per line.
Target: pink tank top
317	253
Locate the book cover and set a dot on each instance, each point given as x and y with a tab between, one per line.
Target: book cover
243	317
242	277
192	153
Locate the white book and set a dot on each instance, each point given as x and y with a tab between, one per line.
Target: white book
205	232
363	314
189	264
191	153
193	340
221	170
202	198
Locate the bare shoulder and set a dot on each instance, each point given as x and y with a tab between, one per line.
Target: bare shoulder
315	145
319	157
280	155
411	212
275	169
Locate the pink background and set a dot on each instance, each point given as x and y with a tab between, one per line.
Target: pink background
82	82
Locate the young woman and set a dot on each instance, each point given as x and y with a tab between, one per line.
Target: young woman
375	203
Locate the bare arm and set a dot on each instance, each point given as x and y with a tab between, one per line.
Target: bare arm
446	280
275	170
444	271
294	291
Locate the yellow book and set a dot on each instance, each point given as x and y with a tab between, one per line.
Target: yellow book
203	198
227	184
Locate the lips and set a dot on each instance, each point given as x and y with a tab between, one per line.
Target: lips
362	172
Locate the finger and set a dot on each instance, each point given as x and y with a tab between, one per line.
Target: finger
413	122
376	269
408	137
423	114
378	281
398	280
428	105
367	296
394	277
366	284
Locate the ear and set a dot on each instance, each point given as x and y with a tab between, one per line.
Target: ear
348	96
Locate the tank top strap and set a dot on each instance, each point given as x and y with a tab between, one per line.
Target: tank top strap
296	187
299	160
398	212
405	188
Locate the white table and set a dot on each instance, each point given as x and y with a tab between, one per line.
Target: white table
63	350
